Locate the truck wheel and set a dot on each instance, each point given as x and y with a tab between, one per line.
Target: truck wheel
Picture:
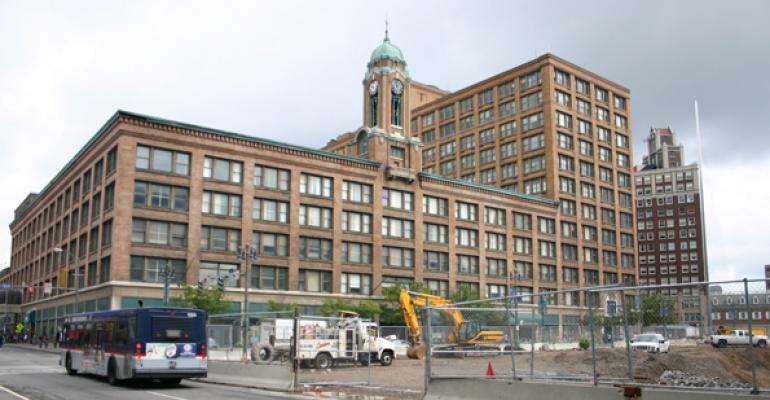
722	343
363	359
386	359
323	361
762	343
68	365
262	353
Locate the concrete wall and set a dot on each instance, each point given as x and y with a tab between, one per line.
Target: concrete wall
260	376
445	389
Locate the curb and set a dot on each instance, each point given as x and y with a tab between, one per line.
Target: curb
32	348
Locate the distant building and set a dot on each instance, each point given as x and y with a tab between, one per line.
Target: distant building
731	310
669	222
767	276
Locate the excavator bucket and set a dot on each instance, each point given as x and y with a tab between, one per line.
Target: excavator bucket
416	352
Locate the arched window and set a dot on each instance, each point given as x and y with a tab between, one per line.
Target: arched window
397	91
363	143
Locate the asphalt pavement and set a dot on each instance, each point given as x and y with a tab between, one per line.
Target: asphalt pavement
31	374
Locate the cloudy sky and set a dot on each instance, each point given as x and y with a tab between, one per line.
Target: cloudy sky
292	71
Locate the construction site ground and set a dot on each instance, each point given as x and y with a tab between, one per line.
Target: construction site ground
405	378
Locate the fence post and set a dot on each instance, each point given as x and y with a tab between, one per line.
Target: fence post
751	339
625	328
427	343
295	351
591	323
532	344
508	316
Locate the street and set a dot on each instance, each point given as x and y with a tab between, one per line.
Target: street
36	375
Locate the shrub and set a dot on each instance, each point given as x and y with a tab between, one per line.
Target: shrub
584	344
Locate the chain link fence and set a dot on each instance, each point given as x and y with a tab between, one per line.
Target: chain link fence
678	334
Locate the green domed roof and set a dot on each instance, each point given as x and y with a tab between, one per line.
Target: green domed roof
387	51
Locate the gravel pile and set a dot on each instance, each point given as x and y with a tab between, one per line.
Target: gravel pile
680	378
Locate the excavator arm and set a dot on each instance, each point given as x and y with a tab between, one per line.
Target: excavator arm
408	301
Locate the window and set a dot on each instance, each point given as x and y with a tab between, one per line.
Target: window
522	270
438	287
508	129
620	102
98	172
605	154
568	229
397	257
534	164
602	114
610	259
532	121
271	178
447	112
590	255
467	264
153	269
434	205
510	170
565	141
270	211
486	116
269	278
466	123
435	233
221	204
623	160
563	120
315	249
316	217
583	107
506	89
530	80
589	233
522	221
447	149
355	283
220	239
531	101
621	140
397	153
496	267
160	160
435	261
315	281
315	185
356	192
495	291
429	155
494	216
398	199
582	86
104	270
546	225
567	207
620	122
608	216
586	148
158	232
547	249
223	170
429	136
397	228
566	163
522	245
112	160
107	233
467	143
495	241
466	237
536	185
507	109
569	252
586	169
356	222
466	211
607	195
570	275
427	120
356	253
109	197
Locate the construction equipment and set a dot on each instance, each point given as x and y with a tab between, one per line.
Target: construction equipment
723	330
464	334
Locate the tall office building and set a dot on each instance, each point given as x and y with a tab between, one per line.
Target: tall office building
670	222
146	196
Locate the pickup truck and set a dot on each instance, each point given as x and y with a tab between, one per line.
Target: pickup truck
737	337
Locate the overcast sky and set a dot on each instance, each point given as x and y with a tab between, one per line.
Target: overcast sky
292	71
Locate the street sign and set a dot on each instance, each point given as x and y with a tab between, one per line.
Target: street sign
5	286
663	311
19	327
612	307
47	288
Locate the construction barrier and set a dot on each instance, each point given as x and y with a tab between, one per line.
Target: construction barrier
251	375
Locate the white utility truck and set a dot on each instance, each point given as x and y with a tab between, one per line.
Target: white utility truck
321	344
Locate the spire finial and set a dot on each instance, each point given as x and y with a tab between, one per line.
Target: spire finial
386	27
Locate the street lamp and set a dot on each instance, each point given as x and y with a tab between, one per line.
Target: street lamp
246	254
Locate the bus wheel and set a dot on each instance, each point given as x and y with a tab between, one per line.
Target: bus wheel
323	361
68	365
171	381
111	379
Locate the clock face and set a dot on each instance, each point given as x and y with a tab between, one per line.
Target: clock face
398	87
373	87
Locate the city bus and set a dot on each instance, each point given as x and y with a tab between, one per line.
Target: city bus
168	344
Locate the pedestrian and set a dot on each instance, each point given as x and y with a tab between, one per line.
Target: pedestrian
2	340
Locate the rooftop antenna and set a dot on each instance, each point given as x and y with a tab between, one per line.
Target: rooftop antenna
386	27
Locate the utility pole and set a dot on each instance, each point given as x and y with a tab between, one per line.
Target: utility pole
168	273
246	254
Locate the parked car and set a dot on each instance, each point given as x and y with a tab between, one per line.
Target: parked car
400	345
737	337
651	342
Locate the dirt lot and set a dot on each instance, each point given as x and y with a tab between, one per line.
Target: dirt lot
406	378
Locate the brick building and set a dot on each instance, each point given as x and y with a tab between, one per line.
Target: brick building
670	224
147	195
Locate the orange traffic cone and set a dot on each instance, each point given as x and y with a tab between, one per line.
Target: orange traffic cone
490	371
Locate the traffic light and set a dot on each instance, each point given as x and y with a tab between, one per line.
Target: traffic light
31	289
200	287
220	283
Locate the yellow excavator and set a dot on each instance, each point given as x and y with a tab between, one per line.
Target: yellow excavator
465	334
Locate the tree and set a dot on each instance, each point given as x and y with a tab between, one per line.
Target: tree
651	313
208	300
282	307
365	309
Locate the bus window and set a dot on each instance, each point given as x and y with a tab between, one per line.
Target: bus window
121	334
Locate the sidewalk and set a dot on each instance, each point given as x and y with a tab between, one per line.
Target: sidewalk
33	347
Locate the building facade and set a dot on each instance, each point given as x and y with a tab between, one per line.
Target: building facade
146	197
732	310
670	224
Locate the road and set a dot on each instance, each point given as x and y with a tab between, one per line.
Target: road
36	375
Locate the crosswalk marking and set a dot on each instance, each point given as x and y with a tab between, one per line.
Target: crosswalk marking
12	393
